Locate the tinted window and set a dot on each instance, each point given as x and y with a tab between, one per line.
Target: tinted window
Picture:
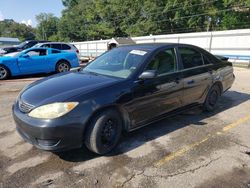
163	62
205	60
65	47
190	58
212	59
56	46
55	52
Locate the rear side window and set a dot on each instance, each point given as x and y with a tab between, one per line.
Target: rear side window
56	46
65	47
190	58
212	59
205	59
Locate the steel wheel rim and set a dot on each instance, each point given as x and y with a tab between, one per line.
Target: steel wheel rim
3	72
213	98
63	67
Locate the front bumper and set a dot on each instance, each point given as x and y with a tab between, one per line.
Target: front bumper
59	134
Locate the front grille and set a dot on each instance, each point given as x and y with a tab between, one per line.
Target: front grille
25	107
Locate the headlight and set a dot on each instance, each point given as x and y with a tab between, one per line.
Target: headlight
54	110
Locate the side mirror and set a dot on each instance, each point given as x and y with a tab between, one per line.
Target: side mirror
149	74
25	56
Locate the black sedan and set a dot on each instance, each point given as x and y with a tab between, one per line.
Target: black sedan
122	90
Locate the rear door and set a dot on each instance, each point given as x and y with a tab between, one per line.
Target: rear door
52	58
33	62
197	76
157	96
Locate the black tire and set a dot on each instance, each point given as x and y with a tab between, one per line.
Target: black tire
4	73
212	98
62	66
104	132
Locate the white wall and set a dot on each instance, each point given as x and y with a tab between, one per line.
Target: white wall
231	42
92	48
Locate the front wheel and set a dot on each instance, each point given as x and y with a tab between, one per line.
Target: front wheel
4	73
104	132
212	98
62	66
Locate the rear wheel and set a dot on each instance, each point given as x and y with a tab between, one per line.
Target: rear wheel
4	73
212	98
104	132
62	66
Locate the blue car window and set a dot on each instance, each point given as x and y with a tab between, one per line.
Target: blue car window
33	53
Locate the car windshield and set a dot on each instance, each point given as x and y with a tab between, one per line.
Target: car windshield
119	62
22	44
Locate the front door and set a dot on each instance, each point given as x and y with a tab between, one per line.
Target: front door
33	61
159	95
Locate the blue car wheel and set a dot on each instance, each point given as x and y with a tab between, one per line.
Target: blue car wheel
62	66
4	73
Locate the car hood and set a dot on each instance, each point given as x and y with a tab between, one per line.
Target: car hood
64	86
6	58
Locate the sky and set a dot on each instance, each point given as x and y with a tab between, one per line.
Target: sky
25	11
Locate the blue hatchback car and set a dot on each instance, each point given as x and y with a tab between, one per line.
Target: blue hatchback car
37	60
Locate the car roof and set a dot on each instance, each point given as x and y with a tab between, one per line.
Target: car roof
154	46
40	48
54	43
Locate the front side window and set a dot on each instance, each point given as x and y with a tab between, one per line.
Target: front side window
164	62
119	62
190	58
33	53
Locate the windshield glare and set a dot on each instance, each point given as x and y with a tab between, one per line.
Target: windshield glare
119	62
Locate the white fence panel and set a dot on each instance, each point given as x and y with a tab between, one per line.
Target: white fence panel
228	43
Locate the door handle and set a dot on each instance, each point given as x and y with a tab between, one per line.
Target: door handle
190	82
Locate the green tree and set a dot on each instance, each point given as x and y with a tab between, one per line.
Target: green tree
47	27
101	19
9	28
